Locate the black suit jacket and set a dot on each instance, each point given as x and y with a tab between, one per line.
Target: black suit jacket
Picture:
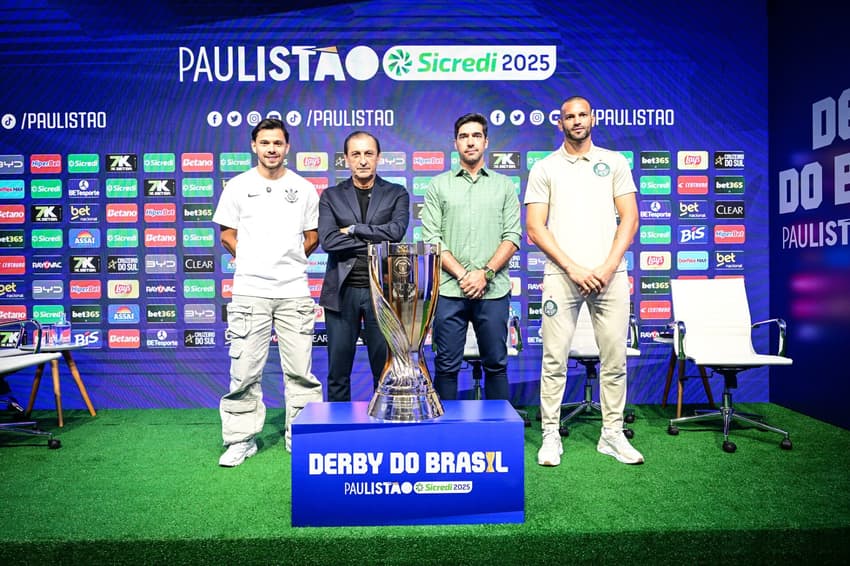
386	219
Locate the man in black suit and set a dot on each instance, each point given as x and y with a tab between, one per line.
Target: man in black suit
357	211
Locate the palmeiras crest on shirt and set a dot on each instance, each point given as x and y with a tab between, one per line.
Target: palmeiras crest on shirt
550	307
291	194
601	169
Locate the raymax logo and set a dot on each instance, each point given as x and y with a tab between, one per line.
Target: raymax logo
47	264
160	289
46	213
122	162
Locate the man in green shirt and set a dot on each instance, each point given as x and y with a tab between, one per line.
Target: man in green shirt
473	213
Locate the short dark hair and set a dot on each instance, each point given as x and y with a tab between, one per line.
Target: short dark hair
269	124
356	134
471	117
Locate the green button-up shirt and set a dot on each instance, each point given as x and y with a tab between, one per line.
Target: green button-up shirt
471	218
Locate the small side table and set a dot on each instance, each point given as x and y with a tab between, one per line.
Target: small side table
65	350
668	340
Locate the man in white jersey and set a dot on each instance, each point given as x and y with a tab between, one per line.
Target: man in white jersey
269	223
574	198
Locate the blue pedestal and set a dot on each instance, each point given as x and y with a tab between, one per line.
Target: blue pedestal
464	467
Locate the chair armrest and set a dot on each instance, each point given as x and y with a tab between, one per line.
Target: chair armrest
780	323
21	338
632	339
513	322
679	338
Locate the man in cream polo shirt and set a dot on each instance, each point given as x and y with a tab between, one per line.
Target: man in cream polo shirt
269	223
573	201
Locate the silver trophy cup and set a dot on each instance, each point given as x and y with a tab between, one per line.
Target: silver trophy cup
404	280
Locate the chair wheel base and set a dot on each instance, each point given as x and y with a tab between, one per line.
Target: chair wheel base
54	444
729	446
629	418
673	430
786	444
564	432
628	433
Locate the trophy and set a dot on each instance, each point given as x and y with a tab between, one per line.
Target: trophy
404	280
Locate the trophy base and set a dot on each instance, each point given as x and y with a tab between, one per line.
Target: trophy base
405	408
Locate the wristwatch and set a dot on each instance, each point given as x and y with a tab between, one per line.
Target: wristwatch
489	274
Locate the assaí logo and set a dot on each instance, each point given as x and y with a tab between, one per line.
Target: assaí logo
261	63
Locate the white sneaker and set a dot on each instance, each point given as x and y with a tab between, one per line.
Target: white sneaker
614	443
552	448
237	453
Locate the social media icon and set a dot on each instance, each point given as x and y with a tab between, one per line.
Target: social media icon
9	121
536	117
214	119
253	118
234	118
517	117
497	117
554	117
293	118
273	114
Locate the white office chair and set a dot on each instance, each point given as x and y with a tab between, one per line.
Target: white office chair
472	357
713	329
585	352
14	358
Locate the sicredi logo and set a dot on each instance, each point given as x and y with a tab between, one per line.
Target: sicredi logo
655	210
83	163
122	238
655	261
199	289
693	234
198	237
420	185
122	213
660	234
196	162
655	185
200	187
160	212
692	185
730	234
160	237
122	188
12	214
470	62
692	261
233	162
84	237
44	163
429	160
46	238
84	289
159	162
46	188
692	160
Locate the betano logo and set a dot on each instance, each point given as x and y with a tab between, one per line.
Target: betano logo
261	63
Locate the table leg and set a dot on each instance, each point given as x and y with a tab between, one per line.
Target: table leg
57	390
36	381
670	367
75	373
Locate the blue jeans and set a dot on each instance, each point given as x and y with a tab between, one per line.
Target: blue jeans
489	319
343	328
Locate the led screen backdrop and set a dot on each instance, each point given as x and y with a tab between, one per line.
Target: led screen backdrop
121	126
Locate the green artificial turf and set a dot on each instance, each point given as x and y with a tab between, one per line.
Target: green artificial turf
144	487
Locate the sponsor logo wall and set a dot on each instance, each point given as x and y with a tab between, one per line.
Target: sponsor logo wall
106	210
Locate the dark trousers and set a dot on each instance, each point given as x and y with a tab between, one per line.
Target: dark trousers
490	320
343	328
